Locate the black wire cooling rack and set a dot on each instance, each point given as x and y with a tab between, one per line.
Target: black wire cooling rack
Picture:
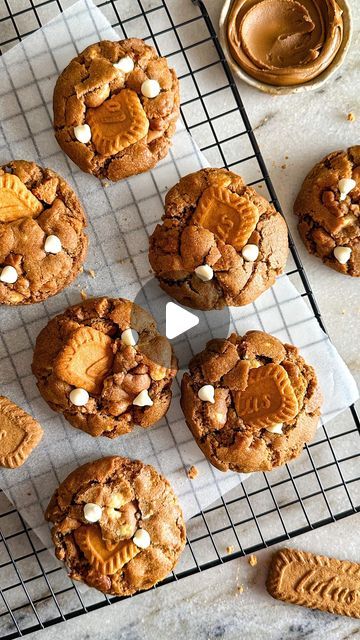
323	485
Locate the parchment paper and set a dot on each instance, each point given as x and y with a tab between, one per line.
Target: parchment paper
121	216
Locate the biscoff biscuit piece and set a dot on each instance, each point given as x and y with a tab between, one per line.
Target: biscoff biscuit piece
314	581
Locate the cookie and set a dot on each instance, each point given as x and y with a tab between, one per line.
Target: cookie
314	581
115	108
251	402
105	367
328	208
42	239
117	525
220	243
19	434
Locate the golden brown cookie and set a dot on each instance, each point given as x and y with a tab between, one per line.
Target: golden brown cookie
315	581
118	525
115	108
19	434
42	239
251	402
328	208
105	367
220	243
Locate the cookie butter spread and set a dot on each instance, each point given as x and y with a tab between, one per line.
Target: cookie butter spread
284	42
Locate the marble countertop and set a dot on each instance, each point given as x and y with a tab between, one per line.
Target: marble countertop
209	606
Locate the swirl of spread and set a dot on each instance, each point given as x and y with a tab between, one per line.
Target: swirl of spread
284	42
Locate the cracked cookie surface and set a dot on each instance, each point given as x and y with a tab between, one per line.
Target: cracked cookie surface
329	218
136	536
117	383
103	90
220	243
263	407
42	239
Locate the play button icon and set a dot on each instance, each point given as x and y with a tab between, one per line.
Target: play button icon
178	320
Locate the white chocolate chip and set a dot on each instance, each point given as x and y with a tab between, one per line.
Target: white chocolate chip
345	186
142	539
82	133
125	64
129	337
79	397
8	275
92	512
250	252
207	393
275	428
150	88
143	399
204	272
52	244
342	254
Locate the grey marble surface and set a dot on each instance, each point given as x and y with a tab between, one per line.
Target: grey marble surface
208	606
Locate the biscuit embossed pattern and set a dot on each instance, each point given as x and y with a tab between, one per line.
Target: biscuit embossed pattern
311	491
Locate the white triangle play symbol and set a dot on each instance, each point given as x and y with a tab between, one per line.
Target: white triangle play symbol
178	320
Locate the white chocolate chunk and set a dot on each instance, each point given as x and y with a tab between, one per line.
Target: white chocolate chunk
125	64
250	252
207	393
129	337
82	133
150	88
345	186
142	539
143	399
52	244
79	397
204	273
275	428
342	254
92	512
8	275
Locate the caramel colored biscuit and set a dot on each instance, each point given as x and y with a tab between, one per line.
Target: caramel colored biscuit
19	434
86	359
230	217
16	201
105	558
314	581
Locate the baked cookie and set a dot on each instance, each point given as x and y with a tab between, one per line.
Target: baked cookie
250	402
19	434
328	207
42	239
115	108
105	367
220	243
118	525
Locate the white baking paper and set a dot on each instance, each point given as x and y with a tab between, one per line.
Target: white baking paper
121	217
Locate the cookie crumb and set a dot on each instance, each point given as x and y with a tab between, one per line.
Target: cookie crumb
230	549
83	294
91	273
192	472
240	588
283	166
351	117
252	560
106	185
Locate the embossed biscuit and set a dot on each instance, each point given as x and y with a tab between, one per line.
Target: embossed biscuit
16	201
19	434
107	558
86	359
315	581
118	123
268	397
230	217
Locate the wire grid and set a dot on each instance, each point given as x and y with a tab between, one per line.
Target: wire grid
323	485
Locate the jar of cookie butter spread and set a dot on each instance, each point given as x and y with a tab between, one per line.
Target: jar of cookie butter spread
284	43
